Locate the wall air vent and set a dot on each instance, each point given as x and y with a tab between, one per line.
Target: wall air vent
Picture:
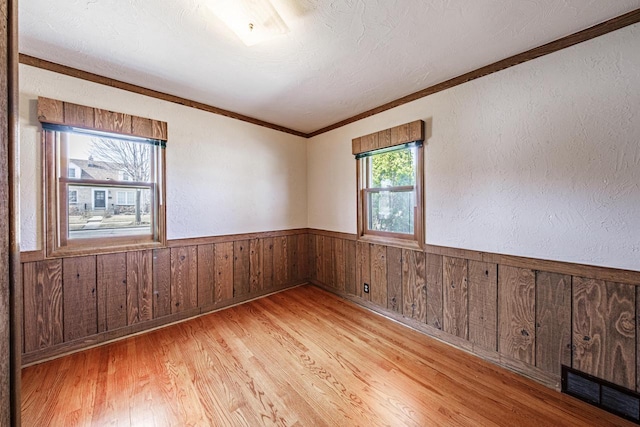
603	394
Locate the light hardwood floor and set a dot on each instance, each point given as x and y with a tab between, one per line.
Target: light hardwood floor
301	357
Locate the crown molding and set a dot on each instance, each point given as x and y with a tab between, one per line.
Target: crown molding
96	78
598	30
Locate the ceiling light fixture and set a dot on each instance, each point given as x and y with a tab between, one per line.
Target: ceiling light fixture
253	21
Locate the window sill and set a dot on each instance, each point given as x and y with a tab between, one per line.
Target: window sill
390	241
73	251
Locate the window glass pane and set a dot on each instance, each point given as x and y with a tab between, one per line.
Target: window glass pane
393	169
97	213
125	198
103	158
391	211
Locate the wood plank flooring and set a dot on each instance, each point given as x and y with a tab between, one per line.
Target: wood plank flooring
301	357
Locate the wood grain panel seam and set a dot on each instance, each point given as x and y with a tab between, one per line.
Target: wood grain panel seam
468	325
637	379
535	317
573	344
497	307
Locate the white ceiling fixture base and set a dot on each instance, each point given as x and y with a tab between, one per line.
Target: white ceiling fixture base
253	21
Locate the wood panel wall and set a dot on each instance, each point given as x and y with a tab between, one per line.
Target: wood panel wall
531	316
74	302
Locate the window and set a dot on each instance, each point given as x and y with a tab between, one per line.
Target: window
124	176
104	190
390	191
390	175
126	198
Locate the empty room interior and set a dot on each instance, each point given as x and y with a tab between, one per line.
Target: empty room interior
320	212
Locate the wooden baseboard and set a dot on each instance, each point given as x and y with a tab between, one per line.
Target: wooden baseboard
125	293
531	316
544	378
108	337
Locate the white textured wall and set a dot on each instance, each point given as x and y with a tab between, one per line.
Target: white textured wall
539	160
224	176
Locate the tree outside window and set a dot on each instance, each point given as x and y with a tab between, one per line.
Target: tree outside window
130	159
391	207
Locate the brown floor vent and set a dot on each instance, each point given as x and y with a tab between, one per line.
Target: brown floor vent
601	393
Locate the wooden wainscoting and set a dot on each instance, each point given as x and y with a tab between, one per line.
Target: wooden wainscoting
528	315
73	303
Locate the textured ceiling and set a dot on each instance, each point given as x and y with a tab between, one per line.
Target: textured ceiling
341	57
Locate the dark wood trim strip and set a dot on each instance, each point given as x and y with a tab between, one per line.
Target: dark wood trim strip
118	84
39	255
10	281
594	272
536	374
455	252
598	30
603	28
233	237
250	297
103	338
32	256
334	234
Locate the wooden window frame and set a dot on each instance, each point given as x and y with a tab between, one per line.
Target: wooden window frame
399	135
55	183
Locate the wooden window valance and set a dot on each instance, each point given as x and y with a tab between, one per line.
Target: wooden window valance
65	113
408	132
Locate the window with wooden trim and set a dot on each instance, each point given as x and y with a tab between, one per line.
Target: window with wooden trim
390	176
104	189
